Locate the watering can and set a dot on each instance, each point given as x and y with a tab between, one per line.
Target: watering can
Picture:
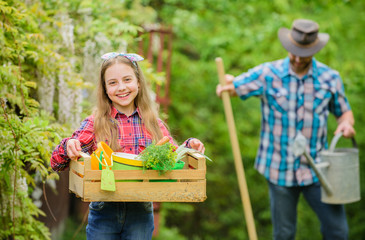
338	171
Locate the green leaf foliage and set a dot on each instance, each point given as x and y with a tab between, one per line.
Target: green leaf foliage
27	134
35	46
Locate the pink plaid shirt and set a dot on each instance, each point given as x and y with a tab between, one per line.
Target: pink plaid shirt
133	137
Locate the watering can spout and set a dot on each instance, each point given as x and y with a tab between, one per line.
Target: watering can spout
299	148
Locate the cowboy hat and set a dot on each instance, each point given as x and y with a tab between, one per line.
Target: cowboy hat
303	39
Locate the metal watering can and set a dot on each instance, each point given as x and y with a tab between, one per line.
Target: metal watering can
338	171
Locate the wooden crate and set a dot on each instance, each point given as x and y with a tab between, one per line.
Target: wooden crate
189	183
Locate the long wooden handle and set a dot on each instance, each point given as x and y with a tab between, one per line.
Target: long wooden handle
237	154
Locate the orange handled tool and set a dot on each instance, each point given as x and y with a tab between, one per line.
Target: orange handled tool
163	140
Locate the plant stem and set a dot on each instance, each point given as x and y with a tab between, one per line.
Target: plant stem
16	148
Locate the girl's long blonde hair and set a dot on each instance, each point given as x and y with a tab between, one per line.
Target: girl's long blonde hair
105	127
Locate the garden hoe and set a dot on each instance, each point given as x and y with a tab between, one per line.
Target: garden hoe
247	210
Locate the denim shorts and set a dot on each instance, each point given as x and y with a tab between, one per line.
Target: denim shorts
120	220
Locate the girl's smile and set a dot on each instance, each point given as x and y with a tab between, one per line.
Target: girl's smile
122	87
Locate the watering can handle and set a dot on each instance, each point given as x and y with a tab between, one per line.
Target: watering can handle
335	140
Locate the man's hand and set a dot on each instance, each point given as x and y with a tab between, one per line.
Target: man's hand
228	87
345	125
346	128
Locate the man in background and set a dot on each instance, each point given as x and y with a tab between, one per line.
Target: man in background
297	93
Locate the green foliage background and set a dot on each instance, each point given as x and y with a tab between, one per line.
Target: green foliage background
243	33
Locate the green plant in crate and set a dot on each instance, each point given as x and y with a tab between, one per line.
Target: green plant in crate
159	157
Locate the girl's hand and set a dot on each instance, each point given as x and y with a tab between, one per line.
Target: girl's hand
73	148
197	145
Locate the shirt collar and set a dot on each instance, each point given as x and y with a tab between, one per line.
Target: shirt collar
314	68
282	70
114	112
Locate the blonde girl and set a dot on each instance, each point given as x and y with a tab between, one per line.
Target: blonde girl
127	119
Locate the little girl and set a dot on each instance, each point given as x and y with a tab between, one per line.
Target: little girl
126	118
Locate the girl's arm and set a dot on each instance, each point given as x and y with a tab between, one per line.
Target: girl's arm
193	143
165	132
85	135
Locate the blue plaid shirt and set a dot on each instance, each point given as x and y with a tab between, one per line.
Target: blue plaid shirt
290	104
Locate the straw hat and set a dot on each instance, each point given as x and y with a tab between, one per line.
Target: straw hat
303	39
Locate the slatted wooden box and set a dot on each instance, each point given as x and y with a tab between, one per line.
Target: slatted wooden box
190	184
